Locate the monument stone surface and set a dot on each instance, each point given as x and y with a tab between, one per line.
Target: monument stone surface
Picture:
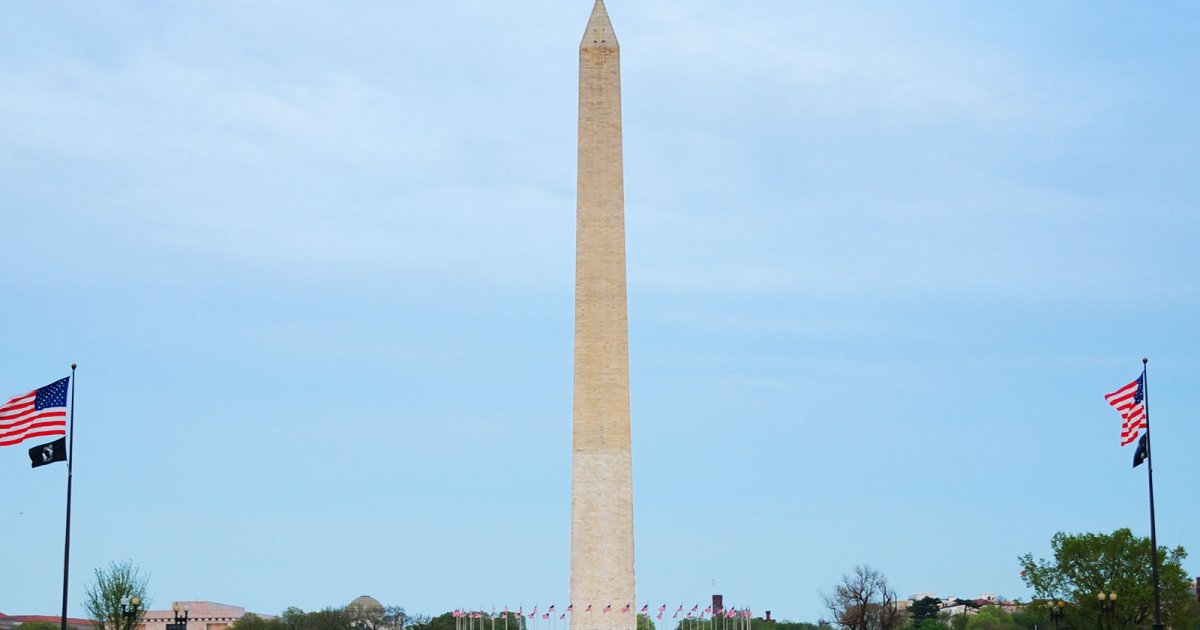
601	462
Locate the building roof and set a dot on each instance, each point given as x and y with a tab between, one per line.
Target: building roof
366	602
48	618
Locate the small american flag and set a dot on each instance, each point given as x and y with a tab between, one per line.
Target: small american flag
41	412
570	607
1130	402
607	608
625	608
589	608
645	607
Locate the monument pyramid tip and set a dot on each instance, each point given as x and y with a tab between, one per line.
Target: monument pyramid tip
599	32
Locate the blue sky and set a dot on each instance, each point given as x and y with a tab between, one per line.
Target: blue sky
315	262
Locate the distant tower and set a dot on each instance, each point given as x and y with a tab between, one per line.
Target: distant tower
601	463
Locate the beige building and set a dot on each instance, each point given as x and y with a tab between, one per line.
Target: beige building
200	616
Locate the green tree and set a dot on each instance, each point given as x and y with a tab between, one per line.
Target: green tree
1087	564
923	609
1032	618
446	621
991	618
933	624
115	591
644	622
251	621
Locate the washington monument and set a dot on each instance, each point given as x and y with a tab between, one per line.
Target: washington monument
601	463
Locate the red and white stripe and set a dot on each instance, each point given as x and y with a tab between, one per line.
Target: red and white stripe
19	420
1133	415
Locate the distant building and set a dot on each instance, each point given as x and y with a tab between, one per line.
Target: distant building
951	606
200	616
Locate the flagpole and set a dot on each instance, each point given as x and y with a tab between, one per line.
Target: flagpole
70	458
1158	625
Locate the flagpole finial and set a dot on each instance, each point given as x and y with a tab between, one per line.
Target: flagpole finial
73	366
1145	360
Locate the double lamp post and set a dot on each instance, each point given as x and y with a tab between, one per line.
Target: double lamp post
1108	610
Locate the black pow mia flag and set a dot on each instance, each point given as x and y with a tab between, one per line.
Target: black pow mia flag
55	451
1141	453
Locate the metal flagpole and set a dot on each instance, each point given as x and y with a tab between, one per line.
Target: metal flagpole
1158	625
70	459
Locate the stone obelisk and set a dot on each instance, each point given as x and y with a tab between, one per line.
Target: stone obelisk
601	463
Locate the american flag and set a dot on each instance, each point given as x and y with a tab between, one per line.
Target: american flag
645	607
589	608
570	607
625	608
607	608
41	412
1130	402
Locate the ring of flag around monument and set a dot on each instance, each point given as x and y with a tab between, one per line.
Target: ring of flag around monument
41	412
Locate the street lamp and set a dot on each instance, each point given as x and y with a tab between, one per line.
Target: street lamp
180	621
1108	607
1056	611
129	610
